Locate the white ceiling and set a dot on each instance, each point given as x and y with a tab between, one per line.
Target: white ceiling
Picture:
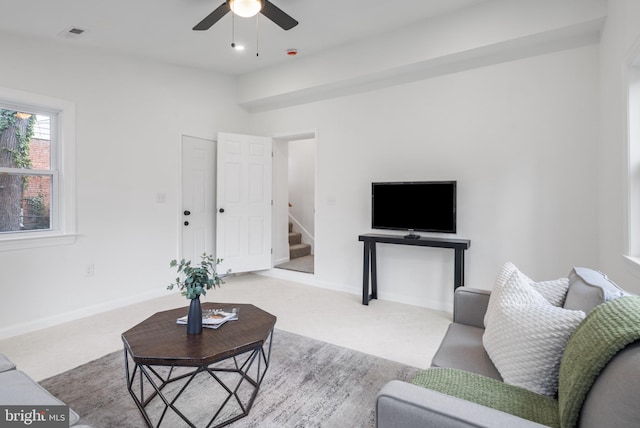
162	29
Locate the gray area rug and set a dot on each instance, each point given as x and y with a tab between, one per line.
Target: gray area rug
309	383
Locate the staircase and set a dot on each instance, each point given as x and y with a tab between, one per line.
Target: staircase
296	247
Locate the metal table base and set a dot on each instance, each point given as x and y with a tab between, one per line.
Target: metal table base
146	384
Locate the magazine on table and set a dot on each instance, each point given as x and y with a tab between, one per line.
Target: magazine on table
214	318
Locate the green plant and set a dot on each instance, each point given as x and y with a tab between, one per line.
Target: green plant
39	211
197	280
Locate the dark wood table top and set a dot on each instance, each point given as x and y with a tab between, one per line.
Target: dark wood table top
158	340
423	241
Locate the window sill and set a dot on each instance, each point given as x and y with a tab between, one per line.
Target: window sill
634	263
22	243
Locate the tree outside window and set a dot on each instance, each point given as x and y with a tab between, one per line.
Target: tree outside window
26	177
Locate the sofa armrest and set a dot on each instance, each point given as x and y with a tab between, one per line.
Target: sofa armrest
6	364
470	305
17	388
404	405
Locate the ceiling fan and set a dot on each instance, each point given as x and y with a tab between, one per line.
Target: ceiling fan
245	9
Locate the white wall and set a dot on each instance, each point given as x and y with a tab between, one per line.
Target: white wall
130	117
521	139
620	43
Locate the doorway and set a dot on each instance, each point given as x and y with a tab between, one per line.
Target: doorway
199	171
295	159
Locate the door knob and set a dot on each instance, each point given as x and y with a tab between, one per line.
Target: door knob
221	210
186	223
187	212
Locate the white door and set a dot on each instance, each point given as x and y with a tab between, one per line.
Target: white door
243	232
197	216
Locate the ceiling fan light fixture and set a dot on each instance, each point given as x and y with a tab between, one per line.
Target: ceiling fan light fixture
245	8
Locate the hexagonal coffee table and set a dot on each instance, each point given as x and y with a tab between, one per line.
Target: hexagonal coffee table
209	379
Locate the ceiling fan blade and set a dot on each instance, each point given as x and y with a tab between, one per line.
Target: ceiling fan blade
213	17
276	14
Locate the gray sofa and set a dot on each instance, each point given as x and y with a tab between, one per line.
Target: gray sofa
18	389
611	400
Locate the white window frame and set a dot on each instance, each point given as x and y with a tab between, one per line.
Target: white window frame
63	171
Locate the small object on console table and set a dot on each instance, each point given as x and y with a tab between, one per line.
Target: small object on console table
412	235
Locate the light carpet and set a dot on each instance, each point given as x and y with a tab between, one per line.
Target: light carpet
309	383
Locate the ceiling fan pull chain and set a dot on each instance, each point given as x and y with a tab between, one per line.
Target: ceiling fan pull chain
233	30
258	35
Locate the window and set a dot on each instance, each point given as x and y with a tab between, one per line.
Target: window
37	196
26	173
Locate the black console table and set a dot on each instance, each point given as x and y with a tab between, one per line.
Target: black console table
370	240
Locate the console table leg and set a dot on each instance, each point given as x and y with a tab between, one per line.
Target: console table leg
458	276
365	275
374	272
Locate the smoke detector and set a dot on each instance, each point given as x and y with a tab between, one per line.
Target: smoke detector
72	32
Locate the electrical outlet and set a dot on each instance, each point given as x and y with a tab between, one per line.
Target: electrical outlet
90	270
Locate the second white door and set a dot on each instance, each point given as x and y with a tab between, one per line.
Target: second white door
243	232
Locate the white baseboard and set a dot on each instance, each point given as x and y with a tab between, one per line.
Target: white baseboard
40	323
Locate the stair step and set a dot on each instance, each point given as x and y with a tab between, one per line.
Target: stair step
295	238
299	250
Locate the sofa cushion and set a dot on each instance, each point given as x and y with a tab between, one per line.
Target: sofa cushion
16	388
462	349
526	335
491	393
589	288
6	364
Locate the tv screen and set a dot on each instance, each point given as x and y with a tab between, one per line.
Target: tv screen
425	206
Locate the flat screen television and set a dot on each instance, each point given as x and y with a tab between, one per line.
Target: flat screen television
422	206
